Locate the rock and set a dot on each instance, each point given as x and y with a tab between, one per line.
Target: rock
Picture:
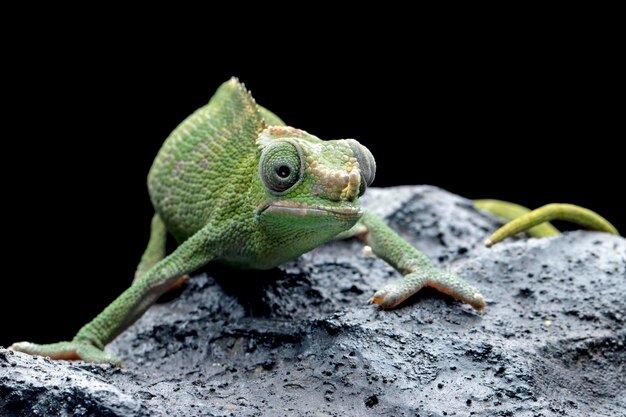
301	339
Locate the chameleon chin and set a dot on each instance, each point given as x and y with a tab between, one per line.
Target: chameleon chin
233	184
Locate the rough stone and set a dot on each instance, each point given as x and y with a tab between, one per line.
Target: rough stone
301	339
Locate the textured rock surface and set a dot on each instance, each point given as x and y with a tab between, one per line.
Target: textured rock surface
301	340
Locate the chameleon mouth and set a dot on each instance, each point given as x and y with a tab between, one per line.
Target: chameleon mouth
302	210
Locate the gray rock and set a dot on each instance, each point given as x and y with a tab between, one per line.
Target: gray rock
301	340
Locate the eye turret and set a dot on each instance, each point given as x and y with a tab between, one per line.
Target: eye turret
279	166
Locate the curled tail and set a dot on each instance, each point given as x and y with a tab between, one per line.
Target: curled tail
511	211
523	219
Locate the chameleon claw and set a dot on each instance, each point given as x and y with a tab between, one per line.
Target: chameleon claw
377	298
479	303
388	297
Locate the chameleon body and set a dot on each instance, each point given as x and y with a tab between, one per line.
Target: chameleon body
233	184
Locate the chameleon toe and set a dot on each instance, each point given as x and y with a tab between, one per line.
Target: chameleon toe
390	296
61	350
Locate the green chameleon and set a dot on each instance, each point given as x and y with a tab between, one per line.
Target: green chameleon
233	184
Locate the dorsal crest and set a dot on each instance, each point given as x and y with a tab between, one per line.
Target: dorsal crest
235	112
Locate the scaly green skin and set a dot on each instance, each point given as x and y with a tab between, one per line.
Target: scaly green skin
233	184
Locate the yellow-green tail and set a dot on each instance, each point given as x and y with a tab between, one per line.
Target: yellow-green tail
535	221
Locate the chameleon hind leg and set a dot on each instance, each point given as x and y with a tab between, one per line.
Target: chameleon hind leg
417	270
155	251
567	212
89	342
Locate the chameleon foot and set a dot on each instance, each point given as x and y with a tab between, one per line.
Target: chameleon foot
68	351
392	295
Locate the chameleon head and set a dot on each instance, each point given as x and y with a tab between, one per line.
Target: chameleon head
312	182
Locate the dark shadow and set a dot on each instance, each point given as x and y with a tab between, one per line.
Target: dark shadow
248	286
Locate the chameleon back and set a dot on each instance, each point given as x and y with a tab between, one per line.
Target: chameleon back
207	164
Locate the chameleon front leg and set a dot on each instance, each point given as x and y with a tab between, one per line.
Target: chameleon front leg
89	342
416	268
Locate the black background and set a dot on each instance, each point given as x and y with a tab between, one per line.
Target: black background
531	119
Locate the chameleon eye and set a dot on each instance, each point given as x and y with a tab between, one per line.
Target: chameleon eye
279	166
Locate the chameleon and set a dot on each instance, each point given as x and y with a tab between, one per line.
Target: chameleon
233	184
